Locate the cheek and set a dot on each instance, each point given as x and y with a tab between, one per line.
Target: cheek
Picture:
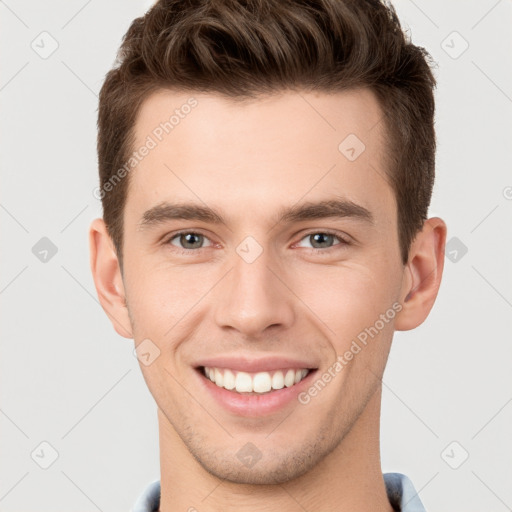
164	306
159	297
346	300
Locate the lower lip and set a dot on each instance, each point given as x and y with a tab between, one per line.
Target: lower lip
255	405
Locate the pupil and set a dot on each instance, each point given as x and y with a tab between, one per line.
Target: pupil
188	238
320	238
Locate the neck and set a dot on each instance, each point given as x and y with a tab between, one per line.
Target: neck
349	479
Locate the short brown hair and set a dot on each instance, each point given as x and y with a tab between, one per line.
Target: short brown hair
246	48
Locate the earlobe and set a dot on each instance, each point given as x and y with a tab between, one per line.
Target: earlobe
424	272
107	278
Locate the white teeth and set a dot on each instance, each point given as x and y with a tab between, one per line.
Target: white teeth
289	379
243	382
229	379
219	377
278	380
261	382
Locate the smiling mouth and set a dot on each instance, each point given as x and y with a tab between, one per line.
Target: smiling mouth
259	383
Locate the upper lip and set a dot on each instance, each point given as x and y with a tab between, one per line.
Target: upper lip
253	365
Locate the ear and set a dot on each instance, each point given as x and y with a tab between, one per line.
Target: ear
107	277
422	275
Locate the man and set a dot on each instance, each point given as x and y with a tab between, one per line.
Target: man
266	168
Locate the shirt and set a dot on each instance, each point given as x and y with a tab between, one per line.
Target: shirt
401	495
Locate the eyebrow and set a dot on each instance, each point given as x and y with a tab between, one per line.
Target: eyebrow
339	208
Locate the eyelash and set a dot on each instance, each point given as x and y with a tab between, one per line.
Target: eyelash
343	242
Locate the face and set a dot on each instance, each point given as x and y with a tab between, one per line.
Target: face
283	254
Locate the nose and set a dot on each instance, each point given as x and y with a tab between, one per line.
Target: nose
254	298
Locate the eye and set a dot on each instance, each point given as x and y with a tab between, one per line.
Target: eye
324	240
189	240
318	241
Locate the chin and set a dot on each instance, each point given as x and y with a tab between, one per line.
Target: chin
270	473
270	468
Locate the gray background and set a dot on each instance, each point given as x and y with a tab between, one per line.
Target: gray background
69	380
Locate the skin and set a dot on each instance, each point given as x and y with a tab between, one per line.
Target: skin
248	160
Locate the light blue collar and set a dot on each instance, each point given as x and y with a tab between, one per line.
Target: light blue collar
401	494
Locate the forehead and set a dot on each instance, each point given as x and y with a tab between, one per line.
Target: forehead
271	151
